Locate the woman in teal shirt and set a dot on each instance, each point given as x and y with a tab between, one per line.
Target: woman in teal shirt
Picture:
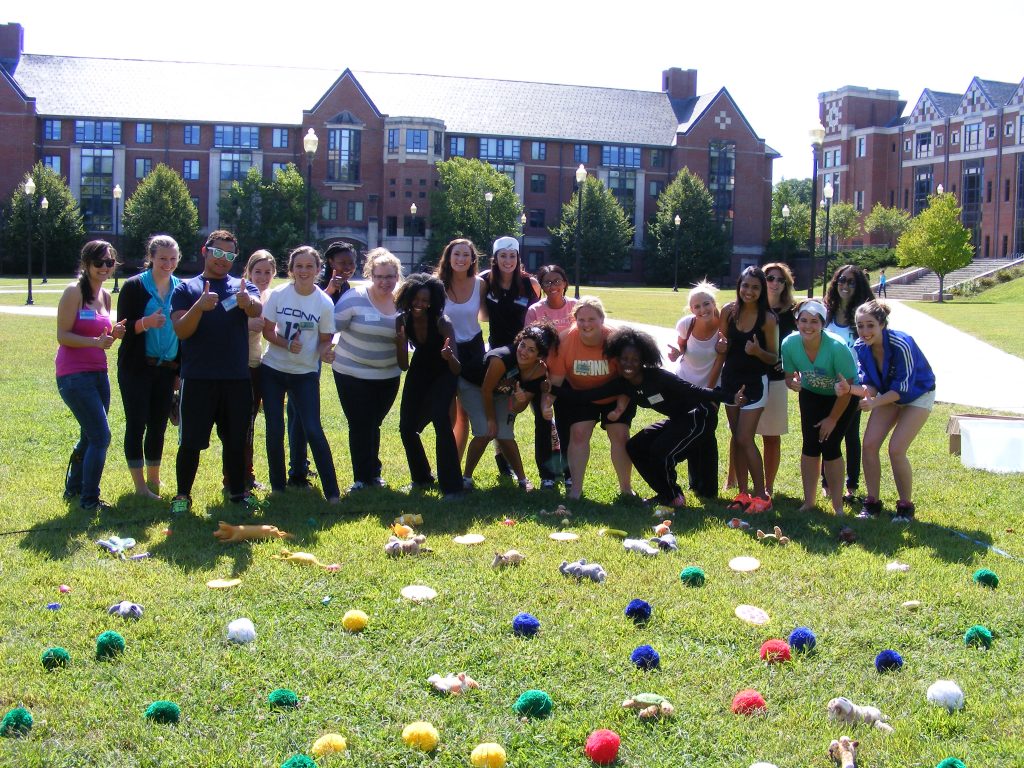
814	360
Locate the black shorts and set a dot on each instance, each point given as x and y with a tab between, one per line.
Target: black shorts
567	413
206	402
814	408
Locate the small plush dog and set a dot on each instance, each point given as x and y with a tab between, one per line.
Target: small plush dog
512	557
453	684
581	569
845	711
397	547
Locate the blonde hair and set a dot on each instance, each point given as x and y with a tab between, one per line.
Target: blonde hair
256	258
703	290
592	302
381	256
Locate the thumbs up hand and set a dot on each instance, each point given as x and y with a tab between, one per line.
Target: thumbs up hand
446	351
118	330
207	300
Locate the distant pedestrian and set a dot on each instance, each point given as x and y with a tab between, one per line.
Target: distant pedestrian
881	284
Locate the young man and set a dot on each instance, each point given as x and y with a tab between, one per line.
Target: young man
210	314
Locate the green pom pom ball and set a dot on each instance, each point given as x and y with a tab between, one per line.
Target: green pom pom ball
978	635
693	576
283	698
299	761
951	762
533	703
109	644
986	578
55	657
164	712
17	722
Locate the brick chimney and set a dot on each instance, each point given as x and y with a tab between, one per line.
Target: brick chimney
679	83
12	43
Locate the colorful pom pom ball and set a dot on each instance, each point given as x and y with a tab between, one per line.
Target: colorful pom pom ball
55	657
639	611
163	712
692	576
109	644
488	756
978	635
774	651
355	621
533	703
748	702
283	698
946	693
421	735
299	761
802	640
986	578
645	658
329	744
241	631
888	661
525	625
17	722
951	762
602	747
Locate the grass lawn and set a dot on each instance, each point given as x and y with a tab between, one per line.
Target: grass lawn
995	315
368	686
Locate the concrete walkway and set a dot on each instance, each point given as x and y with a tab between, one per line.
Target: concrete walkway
968	371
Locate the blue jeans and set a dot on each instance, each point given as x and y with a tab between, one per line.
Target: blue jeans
88	397
303	390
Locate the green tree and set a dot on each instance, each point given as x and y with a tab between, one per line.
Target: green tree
458	207
606	233
792	234
936	239
843	222
161	204
60	225
698	241
891	222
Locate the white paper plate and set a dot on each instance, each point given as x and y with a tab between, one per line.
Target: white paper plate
564	536
418	593
469	538
752	614
223	583
744	564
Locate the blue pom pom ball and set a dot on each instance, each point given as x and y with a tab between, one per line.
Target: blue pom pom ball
802	640
888	661
525	625
639	611
645	658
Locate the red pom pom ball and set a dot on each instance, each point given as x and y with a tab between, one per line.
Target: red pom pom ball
748	702
603	746
774	651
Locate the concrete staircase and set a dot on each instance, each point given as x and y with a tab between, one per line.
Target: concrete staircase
923	285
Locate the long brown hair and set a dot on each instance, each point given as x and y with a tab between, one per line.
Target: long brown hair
444	264
93	251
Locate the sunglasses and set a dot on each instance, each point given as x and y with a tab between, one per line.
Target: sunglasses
108	263
774	279
219	254
846	281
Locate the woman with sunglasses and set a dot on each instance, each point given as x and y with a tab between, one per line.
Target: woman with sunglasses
84	334
366	371
774	422
848	289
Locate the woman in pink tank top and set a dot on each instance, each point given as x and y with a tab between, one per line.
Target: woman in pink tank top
85	333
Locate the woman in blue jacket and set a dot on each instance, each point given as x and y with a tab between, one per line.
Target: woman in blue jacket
898	388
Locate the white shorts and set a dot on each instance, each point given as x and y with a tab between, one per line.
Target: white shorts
764	396
926	401
774	419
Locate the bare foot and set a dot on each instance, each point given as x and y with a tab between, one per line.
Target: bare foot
807	507
145	493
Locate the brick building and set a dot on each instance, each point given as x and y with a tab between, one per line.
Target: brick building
971	143
102	122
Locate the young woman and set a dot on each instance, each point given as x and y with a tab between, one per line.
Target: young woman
698	362
430	383
750	342
581	361
147	362
774	421
848	289
299	326
366	371
814	361
339	266
457	271
84	333
509	294
898	387
514	375
260	271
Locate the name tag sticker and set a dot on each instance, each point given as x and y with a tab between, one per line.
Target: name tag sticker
230	303
372	316
655	399
522	301
87	314
306	325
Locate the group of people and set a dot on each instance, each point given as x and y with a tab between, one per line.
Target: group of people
215	349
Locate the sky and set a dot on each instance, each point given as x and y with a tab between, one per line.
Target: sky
774	59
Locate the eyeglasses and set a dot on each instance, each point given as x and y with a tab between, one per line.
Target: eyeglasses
217	253
846	281
552	281
385	277
774	279
100	263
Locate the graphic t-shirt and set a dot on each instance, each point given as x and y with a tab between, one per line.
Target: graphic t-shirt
297	317
584	367
834	359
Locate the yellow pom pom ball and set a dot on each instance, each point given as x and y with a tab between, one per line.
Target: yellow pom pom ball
355	621
329	744
421	735
488	756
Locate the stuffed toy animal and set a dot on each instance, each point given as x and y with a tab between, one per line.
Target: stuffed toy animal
409	519
640	547
397	547
775	537
231	534
741	525
559	511
402	531
667	542
305	558
844	752
454	684
845	711
126	610
650	705
663	527
581	569
512	557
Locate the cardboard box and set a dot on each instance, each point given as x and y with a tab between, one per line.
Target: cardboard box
953	427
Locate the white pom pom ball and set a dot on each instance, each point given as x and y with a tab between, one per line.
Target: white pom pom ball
946	693
241	631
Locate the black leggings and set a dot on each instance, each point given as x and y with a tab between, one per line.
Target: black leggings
814	408
146	394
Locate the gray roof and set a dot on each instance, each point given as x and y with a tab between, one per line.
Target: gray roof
999	93
946	103
132	89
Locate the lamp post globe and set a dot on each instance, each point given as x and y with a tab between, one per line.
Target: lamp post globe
117	231
412	228
817	134
581	177
309	143
30	191
826	203
675	272
44	206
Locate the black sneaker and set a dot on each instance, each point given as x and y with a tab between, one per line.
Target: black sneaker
870	509
904	512
299	482
99	506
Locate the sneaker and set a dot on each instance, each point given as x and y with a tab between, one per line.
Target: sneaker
547	485
181	505
379	482
256	485
678	501
358	485
850	498
759	506
568	484
453	496
525	484
98	506
71	495
299	482
467	483
870	509
250	501
904	512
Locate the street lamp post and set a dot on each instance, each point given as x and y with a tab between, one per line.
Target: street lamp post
30	191
412	227
785	232
675	273
44	205
309	143
522	241
581	176
117	224
817	139
826	201
488	199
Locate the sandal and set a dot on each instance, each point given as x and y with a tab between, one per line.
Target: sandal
181	505
740	503
759	506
